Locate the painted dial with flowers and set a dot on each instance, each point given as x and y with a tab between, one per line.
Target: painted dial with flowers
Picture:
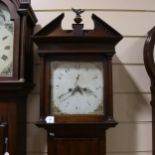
6	42
77	88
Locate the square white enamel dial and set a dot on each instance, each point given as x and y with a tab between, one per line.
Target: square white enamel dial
76	88
6	42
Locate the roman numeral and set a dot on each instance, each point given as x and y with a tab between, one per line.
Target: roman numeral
7	47
4	37
4	57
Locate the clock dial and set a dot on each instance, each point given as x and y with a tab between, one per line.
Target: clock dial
77	87
6	42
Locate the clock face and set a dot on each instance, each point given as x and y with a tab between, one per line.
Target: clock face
77	88
6	42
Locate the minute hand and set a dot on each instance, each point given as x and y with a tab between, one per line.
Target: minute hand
89	91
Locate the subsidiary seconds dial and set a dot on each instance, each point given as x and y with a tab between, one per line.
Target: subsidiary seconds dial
77	87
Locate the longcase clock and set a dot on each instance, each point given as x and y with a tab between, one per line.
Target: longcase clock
76	105
149	62
17	21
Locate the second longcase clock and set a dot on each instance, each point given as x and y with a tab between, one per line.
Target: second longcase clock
17	21
76	85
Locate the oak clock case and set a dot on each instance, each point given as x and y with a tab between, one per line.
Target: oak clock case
76	105
17	21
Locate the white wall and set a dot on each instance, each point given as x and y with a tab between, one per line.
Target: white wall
133	19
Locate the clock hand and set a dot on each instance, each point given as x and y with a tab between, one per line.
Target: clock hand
66	97
70	90
77	79
77	89
89	91
70	93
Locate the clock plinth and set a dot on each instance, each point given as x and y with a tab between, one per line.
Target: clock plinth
76	106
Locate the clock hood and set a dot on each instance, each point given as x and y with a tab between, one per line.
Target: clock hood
53	33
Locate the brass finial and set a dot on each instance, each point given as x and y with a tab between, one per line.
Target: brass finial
78	13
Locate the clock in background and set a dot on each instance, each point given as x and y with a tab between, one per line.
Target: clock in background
17	21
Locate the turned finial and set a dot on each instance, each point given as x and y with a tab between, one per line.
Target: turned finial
78	13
